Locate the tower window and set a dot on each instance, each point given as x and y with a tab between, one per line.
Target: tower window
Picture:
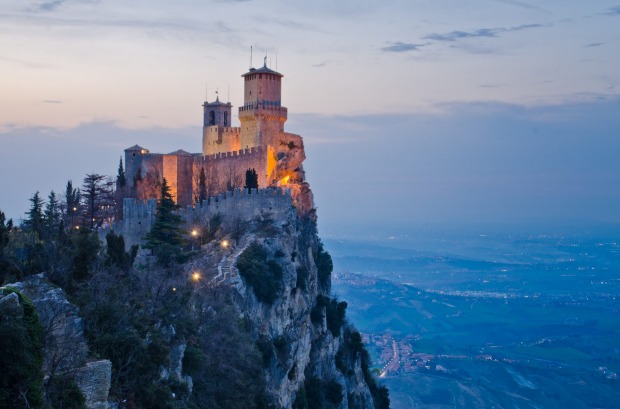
225	118
212	118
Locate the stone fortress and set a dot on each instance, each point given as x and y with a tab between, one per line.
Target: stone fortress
260	143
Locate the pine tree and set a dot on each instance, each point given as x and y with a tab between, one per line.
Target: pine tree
121	180
166	230
251	179
34	221
51	217
5	230
202	186
72	199
98	200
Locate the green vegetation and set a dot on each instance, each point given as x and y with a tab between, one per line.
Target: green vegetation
21	355
251	179
166	237
324	266
320	394
334	313
264	275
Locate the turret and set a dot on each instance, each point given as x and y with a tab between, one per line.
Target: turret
217	113
262	112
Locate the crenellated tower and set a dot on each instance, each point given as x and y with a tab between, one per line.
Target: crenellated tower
262	115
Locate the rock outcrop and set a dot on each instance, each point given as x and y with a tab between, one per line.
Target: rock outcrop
65	350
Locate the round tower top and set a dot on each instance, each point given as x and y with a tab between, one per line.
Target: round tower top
262	70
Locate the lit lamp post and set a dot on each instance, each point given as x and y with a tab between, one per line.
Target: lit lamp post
194	235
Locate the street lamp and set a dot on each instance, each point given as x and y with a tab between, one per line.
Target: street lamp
194	235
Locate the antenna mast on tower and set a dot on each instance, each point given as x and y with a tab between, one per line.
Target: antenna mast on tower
250	56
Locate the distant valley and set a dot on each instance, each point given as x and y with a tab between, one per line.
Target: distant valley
487	321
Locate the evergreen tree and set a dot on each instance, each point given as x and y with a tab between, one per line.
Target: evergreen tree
52	215
98	198
72	202
34	220
166	236
5	229
8	267
251	179
121	181
202	186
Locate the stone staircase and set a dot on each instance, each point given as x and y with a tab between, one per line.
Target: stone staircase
226	271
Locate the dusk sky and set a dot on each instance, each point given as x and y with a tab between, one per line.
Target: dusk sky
480	111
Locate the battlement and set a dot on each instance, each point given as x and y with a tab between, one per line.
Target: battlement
217	129
260	106
242	152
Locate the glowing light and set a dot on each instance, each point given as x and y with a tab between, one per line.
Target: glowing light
174	289
194	233
196	276
284	180
77	227
225	243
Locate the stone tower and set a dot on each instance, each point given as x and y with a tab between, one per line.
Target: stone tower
217	134
262	115
217	113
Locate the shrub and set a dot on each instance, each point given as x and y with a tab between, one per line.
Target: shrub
334	313
263	275
302	278
324	266
21	343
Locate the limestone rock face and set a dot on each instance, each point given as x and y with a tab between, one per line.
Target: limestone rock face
65	345
301	348
94	382
65	350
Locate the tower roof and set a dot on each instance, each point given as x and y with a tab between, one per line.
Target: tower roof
262	70
217	103
180	152
135	148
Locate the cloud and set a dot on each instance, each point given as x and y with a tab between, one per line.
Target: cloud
521	4
321	64
50	5
52	101
482	32
613	11
491	85
400	47
593	45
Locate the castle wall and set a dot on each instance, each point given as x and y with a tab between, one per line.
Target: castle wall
138	219
218	139
139	215
178	171
227	164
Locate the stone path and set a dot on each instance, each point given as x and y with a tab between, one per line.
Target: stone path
226	271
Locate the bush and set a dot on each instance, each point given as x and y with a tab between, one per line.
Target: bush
333	392
21	343
263	275
63	392
334	313
302	278
324	266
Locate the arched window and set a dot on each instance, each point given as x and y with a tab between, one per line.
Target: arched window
212	118
225	118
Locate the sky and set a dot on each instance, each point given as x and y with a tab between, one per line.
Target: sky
446	112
